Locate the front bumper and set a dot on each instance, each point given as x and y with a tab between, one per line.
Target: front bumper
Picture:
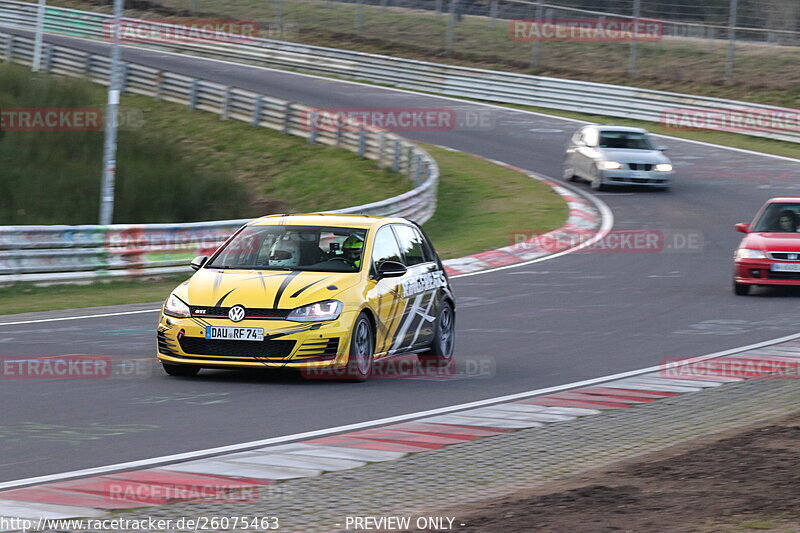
644	178
759	272
286	344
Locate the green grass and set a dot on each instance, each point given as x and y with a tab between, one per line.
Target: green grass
173	164
26	298
480	205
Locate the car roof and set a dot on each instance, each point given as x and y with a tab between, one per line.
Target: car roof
783	199
611	127
326	219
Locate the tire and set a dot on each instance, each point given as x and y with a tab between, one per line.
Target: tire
441	349
362	350
596	183
741	289
185	371
569	172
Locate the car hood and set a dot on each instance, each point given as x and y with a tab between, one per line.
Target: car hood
633	156
267	289
772	242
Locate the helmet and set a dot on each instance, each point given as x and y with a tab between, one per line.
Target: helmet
352	248
285	253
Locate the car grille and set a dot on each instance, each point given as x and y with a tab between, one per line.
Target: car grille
250	314
640	166
242	349
318	350
785	256
784	275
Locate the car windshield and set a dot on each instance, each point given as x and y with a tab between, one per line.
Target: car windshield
780	218
302	248
629	140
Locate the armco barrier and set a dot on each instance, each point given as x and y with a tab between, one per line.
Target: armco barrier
594	98
70	253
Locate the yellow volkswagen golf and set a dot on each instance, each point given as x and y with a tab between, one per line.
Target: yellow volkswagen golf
311	291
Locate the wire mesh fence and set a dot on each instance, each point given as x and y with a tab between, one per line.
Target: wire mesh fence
688	36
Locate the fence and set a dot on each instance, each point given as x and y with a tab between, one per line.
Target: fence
476	30
497	86
63	253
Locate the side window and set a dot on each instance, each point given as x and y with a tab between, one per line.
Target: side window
385	248
412	245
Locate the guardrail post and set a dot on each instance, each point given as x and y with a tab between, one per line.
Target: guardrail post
124	77
9	51
418	171
193	95
438	7
410	159
362	141
48	58
226	104
396	156
255	120
493	13
87	67
381	148
536	53
312	136
159	82
338	132
287	118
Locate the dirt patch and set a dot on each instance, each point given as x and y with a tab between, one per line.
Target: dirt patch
744	480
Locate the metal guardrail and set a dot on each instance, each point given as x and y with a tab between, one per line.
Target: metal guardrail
65	253
495	86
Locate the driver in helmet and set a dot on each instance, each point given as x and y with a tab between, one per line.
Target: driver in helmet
352	247
285	253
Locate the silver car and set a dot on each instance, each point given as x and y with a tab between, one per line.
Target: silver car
617	155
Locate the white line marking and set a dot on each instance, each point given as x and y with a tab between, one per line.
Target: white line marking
210	452
118	313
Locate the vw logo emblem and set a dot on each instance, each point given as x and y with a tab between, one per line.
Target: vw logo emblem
236	313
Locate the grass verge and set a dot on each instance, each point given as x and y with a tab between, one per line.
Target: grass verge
480	204
174	165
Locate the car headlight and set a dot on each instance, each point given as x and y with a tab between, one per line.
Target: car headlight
610	165
327	310
176	307
747	253
664	167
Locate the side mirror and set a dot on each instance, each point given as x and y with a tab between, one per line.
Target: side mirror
198	262
661	148
744	227
391	269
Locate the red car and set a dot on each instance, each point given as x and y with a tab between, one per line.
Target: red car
770	252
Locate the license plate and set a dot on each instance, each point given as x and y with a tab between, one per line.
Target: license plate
785	267
235	334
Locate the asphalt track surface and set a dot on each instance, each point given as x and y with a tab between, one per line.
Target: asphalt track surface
575	317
